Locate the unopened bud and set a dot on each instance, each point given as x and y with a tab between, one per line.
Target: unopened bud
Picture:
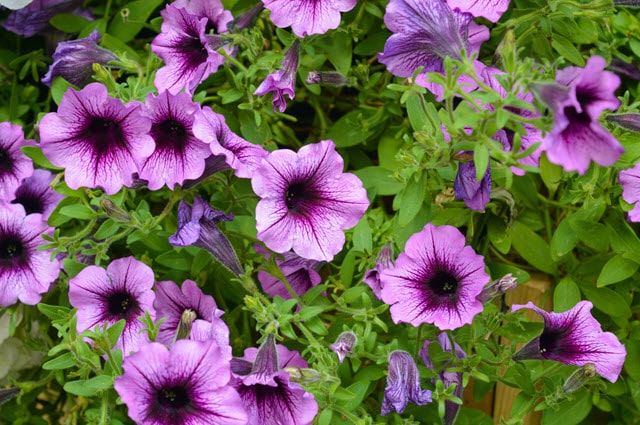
184	327
579	378
497	287
327	78
627	121
246	19
302	375
114	211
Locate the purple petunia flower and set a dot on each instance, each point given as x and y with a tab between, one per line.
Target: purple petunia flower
179	154
98	140
36	195
122	291
575	337
14	165
267	393
282	82
385	261
25	271
197	226
630	181
217	17
307	17
73	60
577	100
302	275
188	51
307	201
475	194
490	9
187	384
435	280
403	384
35	18
344	345
171	302
450	408
241	155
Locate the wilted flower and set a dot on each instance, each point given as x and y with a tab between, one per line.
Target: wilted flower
344	344
384	261
121	292
302	274
403	384
475	194
575	337
14	165
307	17
98	140
283	81
307	201
435	280
36	195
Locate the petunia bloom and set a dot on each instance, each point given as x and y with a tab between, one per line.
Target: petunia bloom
435	280
575	337
490	9
630	181
14	165
577	100
307	17
475	194
96	139
36	195
267	393
282	82
307	201
187	384
25	271
73	60
384	261
35	18
121	292
403	384
302	275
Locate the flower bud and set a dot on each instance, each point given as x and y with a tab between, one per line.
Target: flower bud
114	211
497	287
327	78
629	121
344	344
184	327
579	378
303	375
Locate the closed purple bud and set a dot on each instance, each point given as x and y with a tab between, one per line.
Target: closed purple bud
403	384
629	121
344	344
246	19
498	287
327	78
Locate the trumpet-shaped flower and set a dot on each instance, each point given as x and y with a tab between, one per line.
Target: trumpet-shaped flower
403	384
14	165
384	261
282	82
36	195
307	17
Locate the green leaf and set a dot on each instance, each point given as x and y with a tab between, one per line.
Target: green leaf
347	268
325	417
608	301
632	361
114	332
108	228
310	311
89	387
359	389
410	201
316	325
362	239
175	260
570	412
481	160
338	50
566	295
79	211
564	239
68	22
64	361
532	248
567	49
618	268
54	312
130	19
349	130
380	180
497	230
36	155
417	112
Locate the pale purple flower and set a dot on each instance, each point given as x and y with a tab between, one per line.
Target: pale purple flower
241	155
197	225
189	53
73	60
121	292
36	195
96	139
307	17
301	273
282	82
575	337
435	280
307	201
490	9
577	100
475	194
384	261
35	18
630	181
26	272
344	345
403	384
267	393
14	165
217	17
187	384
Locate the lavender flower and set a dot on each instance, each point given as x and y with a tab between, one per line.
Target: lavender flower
436	280
575	337
307	201
344	345
98	140
73	60
122	291
577	100
307	17
197	226
630	181
187	384
283	81
213	10
302	275
26	272
267	393
35	18
14	165
490	9
36	195
403	384
385	261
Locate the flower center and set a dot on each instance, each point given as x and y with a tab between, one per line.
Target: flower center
169	135
444	284
122	305
195	52
11	249
6	163
296	196
30	201
549	342
175	397
105	135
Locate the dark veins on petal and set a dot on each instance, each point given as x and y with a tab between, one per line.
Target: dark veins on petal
122	305
12	251
170	135
274	404
105	136
193	52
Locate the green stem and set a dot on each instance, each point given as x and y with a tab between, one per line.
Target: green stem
232	60
105	414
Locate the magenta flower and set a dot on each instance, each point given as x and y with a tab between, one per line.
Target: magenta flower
475	194
267	393
179	154
26	272
187	384
435	280
302	275
36	195
96	139
121	292
307	201
403	384
630	181
575	337
490	9
307	17
188	51
14	165
577	100
241	155
217	17
282	82
385	261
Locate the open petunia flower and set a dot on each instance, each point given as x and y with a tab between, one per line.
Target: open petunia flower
575	337
435	280
489	9
307	201
218	18
14	165
34	18
283	81
302	275
187	384
122	291
403	384
25	271
307	17
36	195
96	139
